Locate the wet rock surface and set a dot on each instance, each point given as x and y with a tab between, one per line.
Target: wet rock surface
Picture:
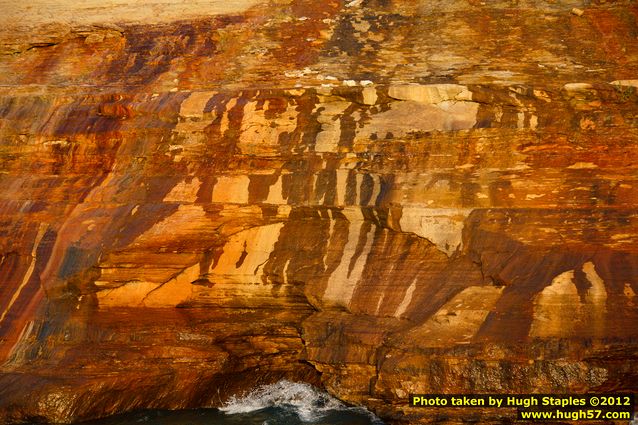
377	197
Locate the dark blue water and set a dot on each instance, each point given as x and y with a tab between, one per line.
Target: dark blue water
282	403
268	416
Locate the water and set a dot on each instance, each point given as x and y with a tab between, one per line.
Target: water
283	403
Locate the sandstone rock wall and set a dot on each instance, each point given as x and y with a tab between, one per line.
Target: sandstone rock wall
379	197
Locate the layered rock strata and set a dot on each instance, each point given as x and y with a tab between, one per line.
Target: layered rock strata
377	197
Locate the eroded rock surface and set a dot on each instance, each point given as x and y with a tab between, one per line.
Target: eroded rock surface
378	197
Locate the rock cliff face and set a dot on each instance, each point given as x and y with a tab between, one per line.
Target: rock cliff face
380	197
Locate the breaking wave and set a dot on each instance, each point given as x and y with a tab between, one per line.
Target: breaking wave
307	402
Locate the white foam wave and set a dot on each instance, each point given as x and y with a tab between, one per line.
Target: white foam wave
306	401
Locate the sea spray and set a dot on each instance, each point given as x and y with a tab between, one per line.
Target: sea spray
307	402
